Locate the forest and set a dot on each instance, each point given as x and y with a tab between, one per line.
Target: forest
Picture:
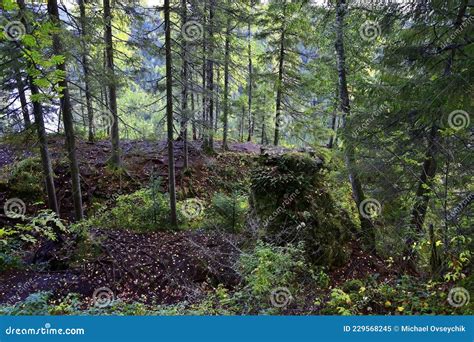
236	157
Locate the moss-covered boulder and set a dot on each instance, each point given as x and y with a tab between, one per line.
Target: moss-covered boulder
25	178
291	197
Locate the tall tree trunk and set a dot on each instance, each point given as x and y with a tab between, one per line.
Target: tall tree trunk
250	70
184	89
368	233
66	109
281	61
209	144
218	94
241	128
423	191
169	115
41	131
23	102
226	85
204	78
85	68
112	87
193	108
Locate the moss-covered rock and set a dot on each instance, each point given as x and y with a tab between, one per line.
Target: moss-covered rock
291	197
25	178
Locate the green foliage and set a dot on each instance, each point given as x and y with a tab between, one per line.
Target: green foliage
266	269
227	212
35	304
26	178
14	241
143	210
408	296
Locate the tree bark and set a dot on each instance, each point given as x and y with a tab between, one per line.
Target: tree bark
23	102
250	70
281	61
112	88
226	85
184	89
85	68
66	109
203	129
41	132
194	118
368	233
209	143
169	115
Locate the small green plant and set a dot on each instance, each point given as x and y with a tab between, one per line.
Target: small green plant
26	178
268	268
143	210
15	241
228	211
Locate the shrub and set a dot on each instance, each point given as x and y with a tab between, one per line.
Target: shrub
26	178
14	242
227	212
143	210
270	268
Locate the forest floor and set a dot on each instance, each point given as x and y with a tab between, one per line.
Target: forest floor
154	267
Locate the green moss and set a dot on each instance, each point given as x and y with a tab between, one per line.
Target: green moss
291	196
26	178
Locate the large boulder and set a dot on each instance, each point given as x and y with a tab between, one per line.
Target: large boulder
291	197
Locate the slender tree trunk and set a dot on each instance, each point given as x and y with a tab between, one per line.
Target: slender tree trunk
241	129
85	67
169	115
41	131
204	80
218	94
24	103
281	61
333	129
226	85
368	233
112	87
424	187
66	109
250	70
184	89
194	118
209	144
